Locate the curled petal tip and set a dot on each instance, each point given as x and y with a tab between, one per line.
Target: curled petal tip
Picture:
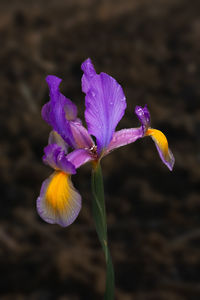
88	68
59	202
53	81
143	115
171	161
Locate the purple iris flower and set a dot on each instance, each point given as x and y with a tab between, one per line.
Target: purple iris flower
59	202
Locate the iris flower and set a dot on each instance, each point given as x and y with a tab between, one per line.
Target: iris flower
59	202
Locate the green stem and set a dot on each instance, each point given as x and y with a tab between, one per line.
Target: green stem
99	213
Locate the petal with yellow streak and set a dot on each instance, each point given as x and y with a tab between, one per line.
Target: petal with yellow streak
162	146
59	202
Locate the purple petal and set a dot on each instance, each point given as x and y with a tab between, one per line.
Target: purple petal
80	134
144	116
55	138
59	202
127	136
61	114
56	158
79	157
105	104
89	72
59	111
124	137
69	107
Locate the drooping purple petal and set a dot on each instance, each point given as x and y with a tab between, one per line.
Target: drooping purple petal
59	202
79	157
124	137
59	111
56	158
105	104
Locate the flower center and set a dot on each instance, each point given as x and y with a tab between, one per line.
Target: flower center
93	151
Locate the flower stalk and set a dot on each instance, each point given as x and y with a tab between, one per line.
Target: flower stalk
99	214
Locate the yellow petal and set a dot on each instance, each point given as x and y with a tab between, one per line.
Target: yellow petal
162	146
59	202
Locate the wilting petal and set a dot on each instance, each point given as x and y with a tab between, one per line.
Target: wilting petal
162	146
59	202
59	111
55	138
124	137
56	158
79	157
105	104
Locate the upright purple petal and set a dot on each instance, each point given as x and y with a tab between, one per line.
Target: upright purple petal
144	116
56	158
69	107
59	111
61	114
105	104
89	72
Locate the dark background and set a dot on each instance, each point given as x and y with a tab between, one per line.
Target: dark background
153	49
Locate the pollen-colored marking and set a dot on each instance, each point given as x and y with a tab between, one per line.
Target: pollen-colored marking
58	192
160	140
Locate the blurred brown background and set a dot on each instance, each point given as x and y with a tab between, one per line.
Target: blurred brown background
153	49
